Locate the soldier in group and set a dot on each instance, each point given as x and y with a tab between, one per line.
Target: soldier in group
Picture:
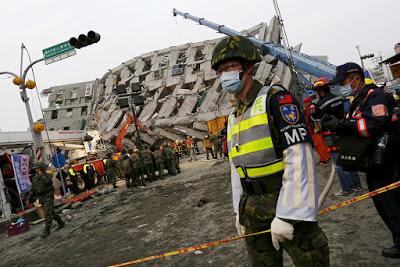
170	160
159	162
274	182
217	141
126	170
137	167
42	189
148	166
111	169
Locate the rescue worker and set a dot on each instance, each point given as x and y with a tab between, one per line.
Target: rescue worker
137	168
274	184
159	162
208	146
88	175
316	136
190	148
175	148
148	166
73	176
369	121
330	104
171	162
111	169
42	189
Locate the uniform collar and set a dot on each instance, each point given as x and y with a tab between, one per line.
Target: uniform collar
251	96
365	89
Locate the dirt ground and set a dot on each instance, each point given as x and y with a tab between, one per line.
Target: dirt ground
130	224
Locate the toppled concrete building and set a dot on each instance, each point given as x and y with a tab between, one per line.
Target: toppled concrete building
181	90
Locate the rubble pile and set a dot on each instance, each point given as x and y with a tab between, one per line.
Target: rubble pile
181	90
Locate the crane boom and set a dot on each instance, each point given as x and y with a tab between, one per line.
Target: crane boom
306	63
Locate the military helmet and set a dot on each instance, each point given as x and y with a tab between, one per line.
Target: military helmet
234	47
40	165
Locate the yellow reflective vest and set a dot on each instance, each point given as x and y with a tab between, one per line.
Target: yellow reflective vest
71	172
250	146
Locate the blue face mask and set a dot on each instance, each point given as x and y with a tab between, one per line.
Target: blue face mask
231	82
345	90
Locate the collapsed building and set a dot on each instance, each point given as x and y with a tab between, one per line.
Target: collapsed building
181	90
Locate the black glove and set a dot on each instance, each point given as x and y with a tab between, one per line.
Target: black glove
330	122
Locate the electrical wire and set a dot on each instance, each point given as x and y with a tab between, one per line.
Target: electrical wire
287	46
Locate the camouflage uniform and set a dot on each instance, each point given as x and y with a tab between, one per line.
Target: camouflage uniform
170	161
159	162
148	166
261	190
137	169
126	170
111	168
42	189
309	246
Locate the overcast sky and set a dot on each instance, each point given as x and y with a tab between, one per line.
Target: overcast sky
130	28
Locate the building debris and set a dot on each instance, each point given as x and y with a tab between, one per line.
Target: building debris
181	90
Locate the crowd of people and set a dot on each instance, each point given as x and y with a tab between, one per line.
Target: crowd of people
213	144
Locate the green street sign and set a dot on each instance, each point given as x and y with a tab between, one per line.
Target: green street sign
58	52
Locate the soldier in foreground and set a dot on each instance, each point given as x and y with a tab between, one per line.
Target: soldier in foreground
42	189
274	183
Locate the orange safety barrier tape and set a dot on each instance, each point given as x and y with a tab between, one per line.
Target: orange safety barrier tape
231	239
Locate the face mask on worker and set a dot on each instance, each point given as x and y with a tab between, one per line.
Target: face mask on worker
345	90
231	82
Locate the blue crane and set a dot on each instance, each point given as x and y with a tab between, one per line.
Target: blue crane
300	61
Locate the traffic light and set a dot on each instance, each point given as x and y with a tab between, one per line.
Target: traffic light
85	40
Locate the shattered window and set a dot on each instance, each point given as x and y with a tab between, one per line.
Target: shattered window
177	69
164	60
74	93
199	54
84	111
147	65
158	74
181	57
88	89
54	114
59	98
69	112
196	67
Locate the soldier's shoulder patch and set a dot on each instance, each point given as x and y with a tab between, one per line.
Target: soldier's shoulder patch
290	113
